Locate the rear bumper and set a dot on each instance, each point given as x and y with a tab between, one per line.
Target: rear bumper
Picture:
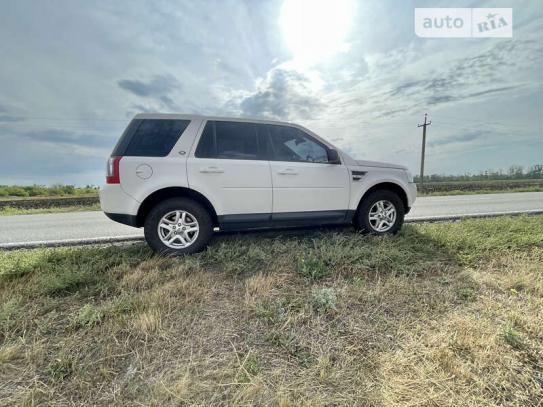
113	199
130	220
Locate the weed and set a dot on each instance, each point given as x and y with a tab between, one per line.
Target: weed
250	368
290	343
121	305
89	316
10	313
512	337
278	310
466	293
60	368
312	268
324	300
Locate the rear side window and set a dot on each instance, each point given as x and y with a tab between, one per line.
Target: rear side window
150	137
229	140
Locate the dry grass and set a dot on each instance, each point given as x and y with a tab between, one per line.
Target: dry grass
460	191
10	211
446	314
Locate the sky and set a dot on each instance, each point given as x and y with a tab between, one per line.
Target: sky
73	74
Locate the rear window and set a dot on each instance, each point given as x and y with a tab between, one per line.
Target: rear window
150	137
229	140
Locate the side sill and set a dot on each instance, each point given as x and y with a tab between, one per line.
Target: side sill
349	215
130	220
244	221
284	219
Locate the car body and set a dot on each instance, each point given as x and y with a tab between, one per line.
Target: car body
245	173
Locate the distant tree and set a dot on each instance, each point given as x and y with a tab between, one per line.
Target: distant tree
514	172
535	171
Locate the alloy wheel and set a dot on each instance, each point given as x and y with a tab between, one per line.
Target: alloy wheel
382	216
178	229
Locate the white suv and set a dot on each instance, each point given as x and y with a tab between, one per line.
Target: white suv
182	176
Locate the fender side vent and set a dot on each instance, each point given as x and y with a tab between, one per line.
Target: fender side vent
357	175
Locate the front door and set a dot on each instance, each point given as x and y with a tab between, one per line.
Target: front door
305	185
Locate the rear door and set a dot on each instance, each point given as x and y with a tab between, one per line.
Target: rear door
305	185
230	167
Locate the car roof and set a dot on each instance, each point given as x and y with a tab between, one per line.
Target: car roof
174	116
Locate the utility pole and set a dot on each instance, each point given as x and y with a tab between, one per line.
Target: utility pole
424	125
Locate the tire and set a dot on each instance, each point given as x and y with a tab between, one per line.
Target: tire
362	220
197	227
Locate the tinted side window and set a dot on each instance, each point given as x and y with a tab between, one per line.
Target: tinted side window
292	144
206	145
150	137
264	144
120	147
229	140
236	140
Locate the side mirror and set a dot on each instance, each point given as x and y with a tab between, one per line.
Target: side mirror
333	157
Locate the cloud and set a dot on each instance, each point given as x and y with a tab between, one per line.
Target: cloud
406	88
284	94
459	138
494	90
68	138
5	118
493	70
157	88
438	99
53	156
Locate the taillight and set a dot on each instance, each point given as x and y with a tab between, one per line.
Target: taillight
113	175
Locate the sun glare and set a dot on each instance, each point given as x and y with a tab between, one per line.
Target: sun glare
316	29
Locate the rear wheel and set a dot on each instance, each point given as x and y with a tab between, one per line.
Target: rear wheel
178	226
381	212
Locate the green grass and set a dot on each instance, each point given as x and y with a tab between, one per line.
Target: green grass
10	211
441	314
481	191
25	191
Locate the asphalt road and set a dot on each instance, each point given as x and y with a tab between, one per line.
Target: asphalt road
95	226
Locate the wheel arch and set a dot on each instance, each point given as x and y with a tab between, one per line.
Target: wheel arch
174	192
387	186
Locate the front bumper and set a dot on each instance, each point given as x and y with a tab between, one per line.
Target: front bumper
411	194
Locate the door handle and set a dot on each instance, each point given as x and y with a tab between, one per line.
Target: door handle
211	170
287	171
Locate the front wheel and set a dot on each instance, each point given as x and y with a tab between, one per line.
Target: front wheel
381	212
178	226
